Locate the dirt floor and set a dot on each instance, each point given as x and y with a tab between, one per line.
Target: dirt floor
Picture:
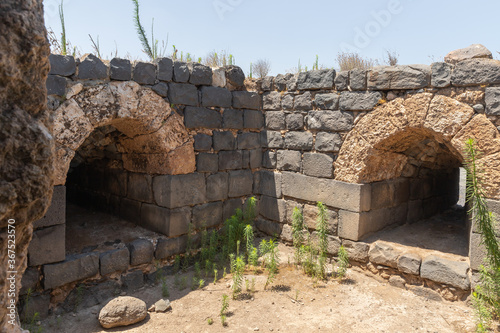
294	303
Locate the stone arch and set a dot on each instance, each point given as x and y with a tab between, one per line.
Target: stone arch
426	128
154	139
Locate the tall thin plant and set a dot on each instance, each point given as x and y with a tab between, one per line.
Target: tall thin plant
63	29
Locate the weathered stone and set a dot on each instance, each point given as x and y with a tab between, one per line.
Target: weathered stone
141	252
492	100
217	186
342	80
161	89
328	142
267	83
289	160
199	74
253	119
92	68
271	101
471	52
330	121
478	108
224	140
73	90
287	102
383	254
358	101
357	79
299	140
397	281
441	74
409	263
281	81
269	227
206	162
162	305
248	140
446	116
62	65
303	101
181	72
56	214
122	311
75	268
317	165
207	215
114	260
56	85
484	133
255	158
328	101
269	159
275	120
197	117
133	280
180	93
47	246
272	208
240	183
230	207
287	233
180	190
319	79
144	73
202	142
268	183
475	72
272	139
399	77
139	187
232	119
230	160
219	77
294	121
446	271
165	69
234	76
169	247
246	100
356	251
120	69
310	214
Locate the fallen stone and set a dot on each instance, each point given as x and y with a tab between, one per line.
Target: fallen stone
397	281
446	271
122	311
470	52
162	305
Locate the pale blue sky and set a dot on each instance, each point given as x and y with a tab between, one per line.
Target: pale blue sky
284	31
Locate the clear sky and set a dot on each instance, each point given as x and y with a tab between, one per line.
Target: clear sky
284	31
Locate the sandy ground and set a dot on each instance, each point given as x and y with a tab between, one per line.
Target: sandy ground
362	303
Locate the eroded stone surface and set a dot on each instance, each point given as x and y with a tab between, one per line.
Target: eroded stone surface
470	52
122	311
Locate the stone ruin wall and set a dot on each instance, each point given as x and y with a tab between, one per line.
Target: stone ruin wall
169	143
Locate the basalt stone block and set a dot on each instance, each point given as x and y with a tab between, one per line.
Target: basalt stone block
180	93
133	280
317	165
207	215
383	254
330	121
62	65
283	81
272	208
115	260
217	186
399	77
197	117
271	101
255	158
328	101
92	68
289	160
328	142
267	83
268	183
342	80
230	207
287	102
492	100
232	118
139	187
240	183
161	89
269	227
230	160
174	191
299	140
272	139
319	79
303	101
235	76
359	101
75	268
246	100
202	142
56	213
357	251
253	119
181	72
294	121
409	263
170	222
269	159
144	73
476	72
357	79
206	162
224	140
30	279
56	85
275	120
199	74
441	74
165	69
130	210
47	245
215	96
446	271
248	140
120	69
168	247
141	252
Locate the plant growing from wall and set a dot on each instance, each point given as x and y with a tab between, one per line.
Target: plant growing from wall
486	297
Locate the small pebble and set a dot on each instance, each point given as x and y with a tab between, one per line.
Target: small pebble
256	329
